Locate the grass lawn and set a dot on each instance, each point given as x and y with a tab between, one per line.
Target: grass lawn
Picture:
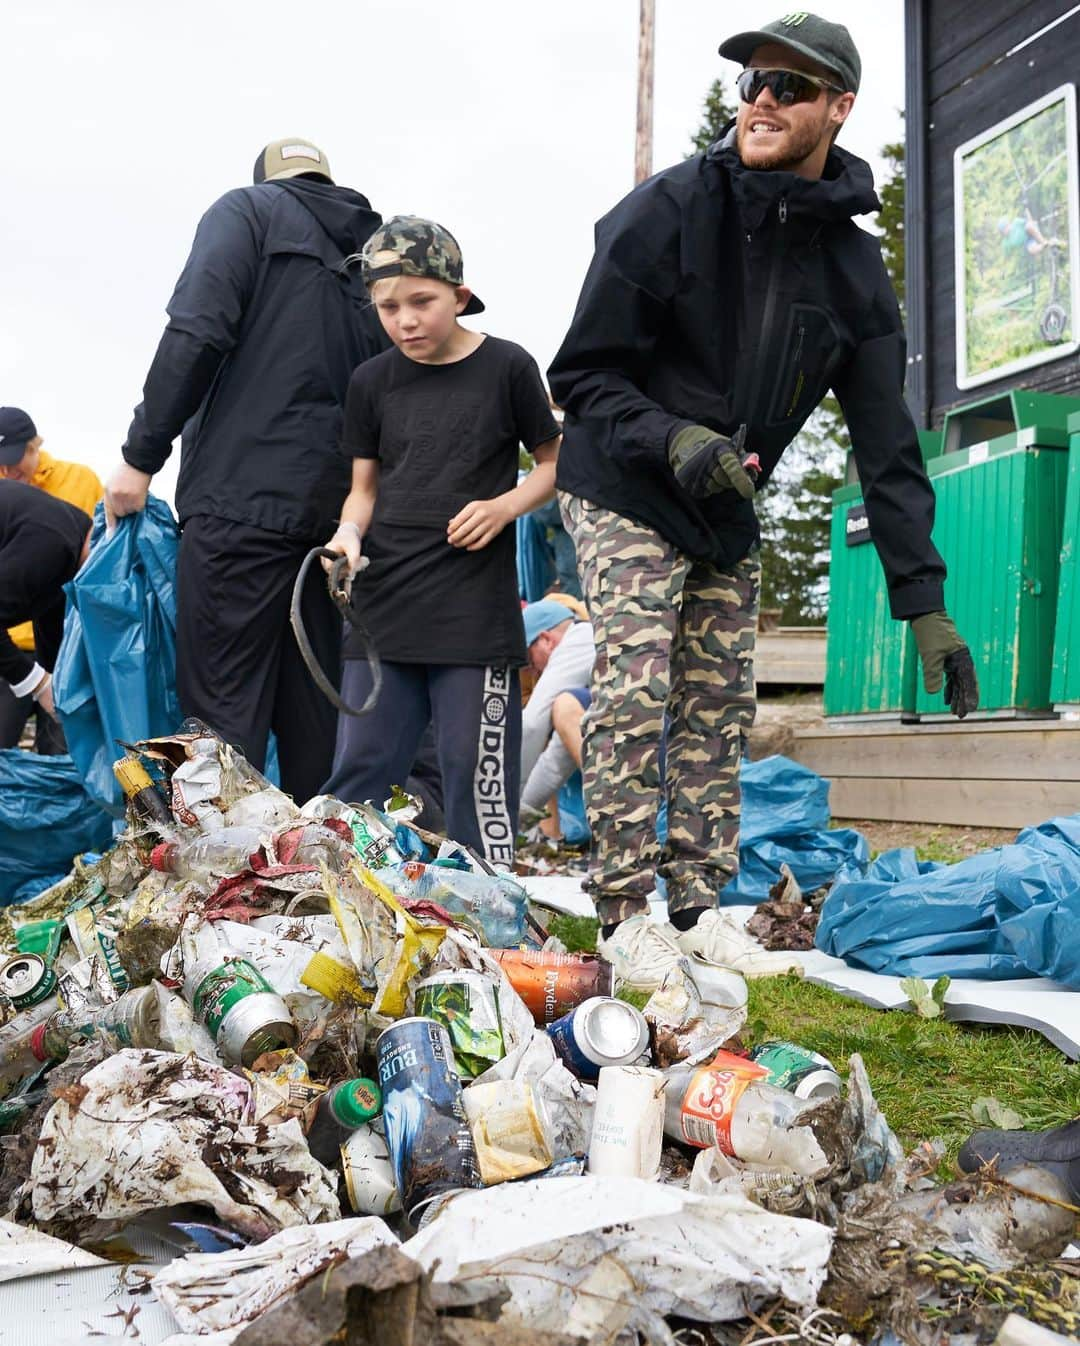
926	1073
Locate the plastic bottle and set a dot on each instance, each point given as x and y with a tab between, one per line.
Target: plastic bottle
493	905
132	1020
726	1103
339	1112
217	853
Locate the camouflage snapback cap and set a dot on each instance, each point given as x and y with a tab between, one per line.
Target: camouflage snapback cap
410	246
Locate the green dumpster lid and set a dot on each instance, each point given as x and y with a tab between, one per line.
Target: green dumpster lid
1017	441
1073	423
991	417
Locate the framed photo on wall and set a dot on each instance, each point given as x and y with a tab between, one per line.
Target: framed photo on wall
1017	206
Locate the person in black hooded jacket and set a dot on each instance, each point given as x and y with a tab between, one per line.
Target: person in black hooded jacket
265	328
726	296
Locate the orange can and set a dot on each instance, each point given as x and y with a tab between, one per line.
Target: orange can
552	984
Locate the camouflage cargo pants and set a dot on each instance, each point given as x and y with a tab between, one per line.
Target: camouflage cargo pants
673	636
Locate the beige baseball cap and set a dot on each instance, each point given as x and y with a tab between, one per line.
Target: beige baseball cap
288	159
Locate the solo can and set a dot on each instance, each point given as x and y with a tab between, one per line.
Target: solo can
427	1132
242	1011
599	1032
800	1071
552	984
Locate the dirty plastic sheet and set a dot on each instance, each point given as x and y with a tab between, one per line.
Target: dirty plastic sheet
28	1252
608	1253
115	675
1002	914
146	1129
212	1292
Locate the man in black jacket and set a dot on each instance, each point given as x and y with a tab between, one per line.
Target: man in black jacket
265	327
43	541
725	297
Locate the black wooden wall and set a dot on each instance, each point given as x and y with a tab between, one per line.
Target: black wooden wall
963	76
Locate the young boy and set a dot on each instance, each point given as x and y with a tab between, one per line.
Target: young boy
433	427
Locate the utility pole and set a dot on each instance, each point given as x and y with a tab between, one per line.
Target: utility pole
643	140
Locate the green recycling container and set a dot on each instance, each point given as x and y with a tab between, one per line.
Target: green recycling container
869	658
1000	507
1065	677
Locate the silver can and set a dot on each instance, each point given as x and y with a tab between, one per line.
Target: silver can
243	1012
26	979
601	1031
369	1172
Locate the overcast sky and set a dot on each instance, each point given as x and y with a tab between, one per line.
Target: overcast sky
512	123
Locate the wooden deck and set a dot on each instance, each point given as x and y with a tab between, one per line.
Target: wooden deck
988	774
792	656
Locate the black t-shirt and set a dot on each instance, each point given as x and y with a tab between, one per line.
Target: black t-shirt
41	540
444	435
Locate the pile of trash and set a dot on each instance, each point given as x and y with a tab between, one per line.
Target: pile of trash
339	1058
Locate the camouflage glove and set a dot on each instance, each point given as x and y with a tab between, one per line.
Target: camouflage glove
705	462
941	651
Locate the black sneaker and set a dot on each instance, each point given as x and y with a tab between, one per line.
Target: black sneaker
1057	1150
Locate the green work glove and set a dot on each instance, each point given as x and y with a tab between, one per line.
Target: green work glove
945	656
705	462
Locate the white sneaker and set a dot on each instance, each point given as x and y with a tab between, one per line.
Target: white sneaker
718	938
641	951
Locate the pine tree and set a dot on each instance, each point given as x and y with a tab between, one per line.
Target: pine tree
891	217
715	115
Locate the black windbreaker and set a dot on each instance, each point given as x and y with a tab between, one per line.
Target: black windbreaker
41	542
719	295
265	328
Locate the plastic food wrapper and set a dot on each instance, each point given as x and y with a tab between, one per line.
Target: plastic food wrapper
561	1245
567	1102
462	949
1001	914
684	1027
212	1292
148	1129
510	1130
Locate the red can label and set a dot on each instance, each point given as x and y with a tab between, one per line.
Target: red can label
710	1099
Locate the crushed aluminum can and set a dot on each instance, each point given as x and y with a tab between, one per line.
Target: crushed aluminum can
466	1003
552	984
628	1123
368	1171
427	1132
599	1032
241	1010
26	980
93	941
510	1130
800	1071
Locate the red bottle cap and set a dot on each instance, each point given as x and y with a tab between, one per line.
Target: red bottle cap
161	857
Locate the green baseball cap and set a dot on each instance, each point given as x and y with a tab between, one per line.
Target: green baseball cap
827	43
410	246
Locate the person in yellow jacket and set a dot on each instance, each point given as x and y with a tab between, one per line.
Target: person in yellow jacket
23	459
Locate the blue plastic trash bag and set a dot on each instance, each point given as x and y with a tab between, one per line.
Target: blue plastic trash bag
785	820
46	819
1008	912
1038	898
115	675
913	920
534	568
572	821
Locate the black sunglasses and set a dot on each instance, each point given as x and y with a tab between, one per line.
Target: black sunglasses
786	86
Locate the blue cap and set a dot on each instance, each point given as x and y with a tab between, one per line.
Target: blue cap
542	616
16	431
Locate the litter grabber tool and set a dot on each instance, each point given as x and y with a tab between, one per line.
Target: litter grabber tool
338	584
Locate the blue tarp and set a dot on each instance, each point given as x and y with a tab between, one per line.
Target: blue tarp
46	819
1008	912
115	676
